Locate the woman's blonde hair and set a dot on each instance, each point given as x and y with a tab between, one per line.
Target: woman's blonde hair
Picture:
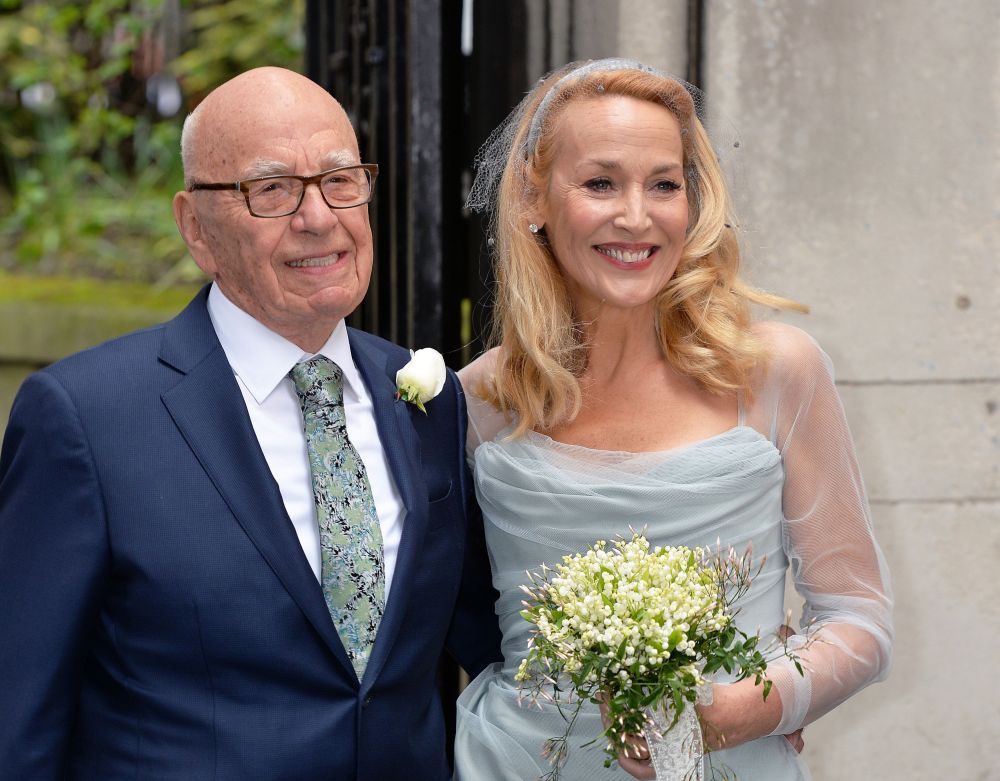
703	311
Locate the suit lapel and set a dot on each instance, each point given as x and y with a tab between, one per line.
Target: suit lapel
401	445
208	408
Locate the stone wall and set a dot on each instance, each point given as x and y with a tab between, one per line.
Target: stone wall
871	164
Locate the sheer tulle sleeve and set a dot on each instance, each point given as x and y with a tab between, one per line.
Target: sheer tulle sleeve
485	421
827	534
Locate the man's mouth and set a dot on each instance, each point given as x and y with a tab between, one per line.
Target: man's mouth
326	260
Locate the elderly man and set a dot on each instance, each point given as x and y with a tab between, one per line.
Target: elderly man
227	550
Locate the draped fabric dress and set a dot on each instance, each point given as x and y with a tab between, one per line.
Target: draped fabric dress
784	480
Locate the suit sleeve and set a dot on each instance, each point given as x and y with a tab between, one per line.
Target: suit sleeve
53	561
474	635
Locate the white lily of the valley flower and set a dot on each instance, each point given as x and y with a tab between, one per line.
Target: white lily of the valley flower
422	378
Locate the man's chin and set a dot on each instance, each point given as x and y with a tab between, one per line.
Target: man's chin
334	303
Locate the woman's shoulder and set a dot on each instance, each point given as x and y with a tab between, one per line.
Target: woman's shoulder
485	420
479	372
792	354
783	338
786	343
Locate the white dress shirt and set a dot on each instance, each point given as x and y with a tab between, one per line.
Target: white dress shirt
261	360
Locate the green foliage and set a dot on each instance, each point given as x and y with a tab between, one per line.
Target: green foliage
87	165
23	289
236	35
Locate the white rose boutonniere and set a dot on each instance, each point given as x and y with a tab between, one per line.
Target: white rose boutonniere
422	378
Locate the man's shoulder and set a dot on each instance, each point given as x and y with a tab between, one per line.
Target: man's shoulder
132	354
393	352
110	354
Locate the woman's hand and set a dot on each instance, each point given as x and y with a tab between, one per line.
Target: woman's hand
738	713
636	761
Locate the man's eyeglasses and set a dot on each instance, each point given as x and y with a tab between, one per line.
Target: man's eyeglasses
279	196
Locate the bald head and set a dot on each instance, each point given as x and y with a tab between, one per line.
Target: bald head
260	105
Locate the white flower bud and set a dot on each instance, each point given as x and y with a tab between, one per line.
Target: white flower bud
422	378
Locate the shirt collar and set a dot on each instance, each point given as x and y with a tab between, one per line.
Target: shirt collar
262	358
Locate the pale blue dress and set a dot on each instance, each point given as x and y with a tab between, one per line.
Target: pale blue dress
543	499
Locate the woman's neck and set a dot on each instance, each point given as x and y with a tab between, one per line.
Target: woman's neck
621	344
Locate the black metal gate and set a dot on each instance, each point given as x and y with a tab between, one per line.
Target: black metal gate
421	105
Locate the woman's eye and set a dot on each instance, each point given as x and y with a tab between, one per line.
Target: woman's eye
600	185
666	186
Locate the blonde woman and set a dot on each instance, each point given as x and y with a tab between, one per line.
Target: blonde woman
629	388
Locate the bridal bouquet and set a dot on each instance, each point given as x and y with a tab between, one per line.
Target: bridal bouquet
641	630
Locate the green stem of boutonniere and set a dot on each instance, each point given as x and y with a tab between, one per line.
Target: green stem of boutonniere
410	394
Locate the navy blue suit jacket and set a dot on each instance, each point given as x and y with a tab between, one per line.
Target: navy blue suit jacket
159	619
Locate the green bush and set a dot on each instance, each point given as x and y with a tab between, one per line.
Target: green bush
88	167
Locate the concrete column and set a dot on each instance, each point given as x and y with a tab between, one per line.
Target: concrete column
651	31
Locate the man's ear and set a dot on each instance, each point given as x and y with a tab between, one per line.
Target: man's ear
192	231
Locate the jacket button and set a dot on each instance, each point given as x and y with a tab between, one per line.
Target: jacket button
368	699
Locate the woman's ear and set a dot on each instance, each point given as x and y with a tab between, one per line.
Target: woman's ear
535	212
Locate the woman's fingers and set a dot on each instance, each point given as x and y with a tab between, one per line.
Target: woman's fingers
796	740
637	768
635	761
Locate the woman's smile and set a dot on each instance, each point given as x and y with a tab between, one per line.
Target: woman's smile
628	257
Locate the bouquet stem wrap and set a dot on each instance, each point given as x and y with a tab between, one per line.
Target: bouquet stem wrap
677	751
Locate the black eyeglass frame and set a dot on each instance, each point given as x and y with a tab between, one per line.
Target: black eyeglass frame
371	169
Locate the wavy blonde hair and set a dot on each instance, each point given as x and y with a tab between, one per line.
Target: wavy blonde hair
703	313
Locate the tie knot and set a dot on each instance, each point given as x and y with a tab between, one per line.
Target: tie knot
318	382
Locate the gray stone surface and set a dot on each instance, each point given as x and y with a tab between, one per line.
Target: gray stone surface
651	31
869	186
872	162
936	715
11	377
36	333
927	442
654	33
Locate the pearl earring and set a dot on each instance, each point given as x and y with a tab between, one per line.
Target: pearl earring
533	228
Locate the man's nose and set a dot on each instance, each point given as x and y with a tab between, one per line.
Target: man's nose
314	214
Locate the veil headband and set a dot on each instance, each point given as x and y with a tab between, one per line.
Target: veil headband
608	65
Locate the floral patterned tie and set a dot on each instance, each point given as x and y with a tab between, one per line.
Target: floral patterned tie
353	570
